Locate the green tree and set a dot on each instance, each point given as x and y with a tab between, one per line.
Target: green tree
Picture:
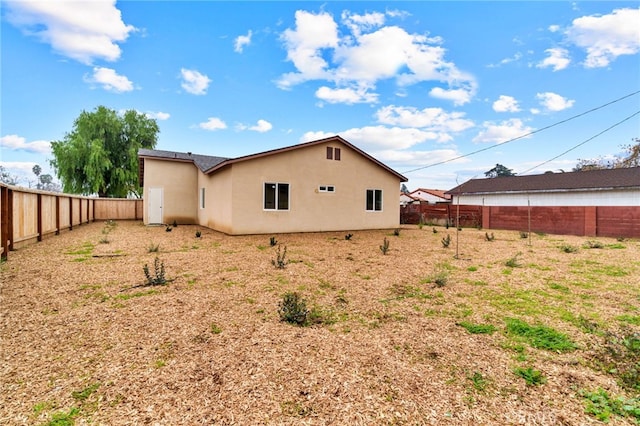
499	170
629	158
404	189
100	155
36	171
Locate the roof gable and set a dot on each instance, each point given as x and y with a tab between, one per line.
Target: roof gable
623	178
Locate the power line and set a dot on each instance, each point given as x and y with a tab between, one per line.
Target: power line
526	134
582	143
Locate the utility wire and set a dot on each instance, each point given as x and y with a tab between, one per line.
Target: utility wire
525	135
581	143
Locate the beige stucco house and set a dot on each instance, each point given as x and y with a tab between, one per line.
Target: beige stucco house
323	185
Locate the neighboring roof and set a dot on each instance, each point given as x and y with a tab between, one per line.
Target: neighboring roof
623	178
208	164
435	192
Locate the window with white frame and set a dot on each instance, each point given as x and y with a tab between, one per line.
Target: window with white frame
202	198
327	188
374	200
276	196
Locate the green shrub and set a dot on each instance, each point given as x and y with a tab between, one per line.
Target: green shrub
513	262
384	248
396	232
348	237
620	355
530	375
293	309
158	277
168	228
524	235
198	234
280	261
273	241
600	405
489	237
594	245
446	241
568	248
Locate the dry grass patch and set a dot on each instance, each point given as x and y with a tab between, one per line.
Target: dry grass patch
506	332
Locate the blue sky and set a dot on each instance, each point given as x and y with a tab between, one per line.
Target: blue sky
418	85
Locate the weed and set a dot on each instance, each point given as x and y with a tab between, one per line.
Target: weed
273	241
477	328
568	248
479	381
60	418
530	375
600	405
348	237
524	235
86	392
318	315
594	245
513	262
396	232
168	228
446	241
440	278
198	234
153	248
489	237
384	248
133	295
158	277
540	336
280	261
215	329
620	355
435	231
616	246
293	309
629	319
472	268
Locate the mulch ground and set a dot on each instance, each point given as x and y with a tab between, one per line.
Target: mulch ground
82	337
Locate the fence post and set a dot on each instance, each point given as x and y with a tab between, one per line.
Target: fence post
6	221
39	216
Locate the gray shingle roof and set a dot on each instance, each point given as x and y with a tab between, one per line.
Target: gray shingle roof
626	178
203	162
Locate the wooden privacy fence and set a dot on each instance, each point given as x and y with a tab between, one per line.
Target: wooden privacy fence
27	216
590	221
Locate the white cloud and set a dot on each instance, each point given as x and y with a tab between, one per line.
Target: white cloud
506	104
262	126
365	52
605	37
109	80
554	102
158	115
378	137
213	123
554	28
18	143
346	95
418	158
503	131
558	59
194	82
241	42
84	31
433	119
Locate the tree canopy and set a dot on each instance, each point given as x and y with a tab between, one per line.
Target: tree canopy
100	154
499	170
629	158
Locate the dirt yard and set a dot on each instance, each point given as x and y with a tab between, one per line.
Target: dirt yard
418	336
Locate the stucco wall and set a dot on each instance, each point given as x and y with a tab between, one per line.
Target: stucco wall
305	170
217	213
574	198
179	182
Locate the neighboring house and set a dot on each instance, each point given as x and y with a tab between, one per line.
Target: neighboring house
431	196
406	199
323	185
609	187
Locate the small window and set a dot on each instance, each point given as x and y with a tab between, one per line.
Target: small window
202	198
276	196
374	200
327	188
336	154
329	153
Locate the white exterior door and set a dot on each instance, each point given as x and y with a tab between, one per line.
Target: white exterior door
155	206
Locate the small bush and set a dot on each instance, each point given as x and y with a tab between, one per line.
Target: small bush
153	248
384	248
568	248
348	237
175	223
477	328
489	237
446	241
513	262
168	228
594	245
280	261
620	355
198	234
435	231
530	375
600	405
158	277
524	235
273	241
293	309
396	232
